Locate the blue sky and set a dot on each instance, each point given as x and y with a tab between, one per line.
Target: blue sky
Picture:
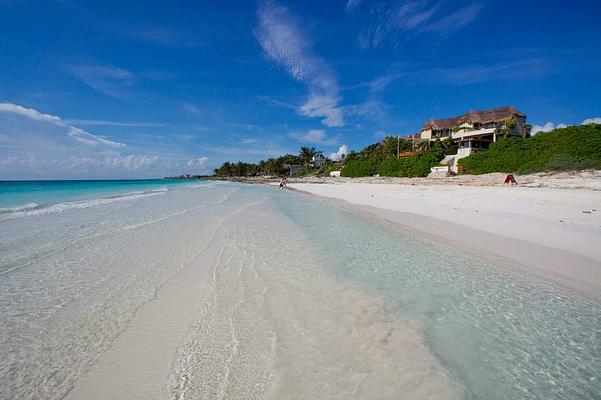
119	89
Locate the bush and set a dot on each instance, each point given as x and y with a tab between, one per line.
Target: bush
571	148
356	168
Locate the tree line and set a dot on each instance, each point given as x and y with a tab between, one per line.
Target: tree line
273	166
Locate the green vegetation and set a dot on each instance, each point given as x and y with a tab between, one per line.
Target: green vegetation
277	166
504	129
380	158
571	148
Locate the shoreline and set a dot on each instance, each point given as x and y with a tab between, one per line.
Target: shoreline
569	180
563	254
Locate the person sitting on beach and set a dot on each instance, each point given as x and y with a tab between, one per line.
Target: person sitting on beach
510	179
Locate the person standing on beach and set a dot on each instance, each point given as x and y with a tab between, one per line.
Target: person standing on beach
282	183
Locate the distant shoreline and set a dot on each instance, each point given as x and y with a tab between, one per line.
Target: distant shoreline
588	179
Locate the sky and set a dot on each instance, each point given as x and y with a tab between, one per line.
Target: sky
142	89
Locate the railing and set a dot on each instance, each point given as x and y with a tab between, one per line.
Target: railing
477	132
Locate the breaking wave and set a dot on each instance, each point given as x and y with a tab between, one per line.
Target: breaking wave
23	207
33	209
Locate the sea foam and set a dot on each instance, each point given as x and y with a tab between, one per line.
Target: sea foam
33	209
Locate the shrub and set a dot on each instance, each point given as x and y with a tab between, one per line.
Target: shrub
571	148
414	166
356	168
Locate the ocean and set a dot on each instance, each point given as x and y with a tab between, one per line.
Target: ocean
193	289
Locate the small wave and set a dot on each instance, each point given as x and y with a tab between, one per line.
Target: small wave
32	210
23	207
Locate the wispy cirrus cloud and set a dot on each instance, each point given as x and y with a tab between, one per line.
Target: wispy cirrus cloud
100	122
314	136
471	74
456	20
190	108
284	42
352	6
106	79
462	75
396	17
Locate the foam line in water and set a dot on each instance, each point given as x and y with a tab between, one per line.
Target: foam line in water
30	211
23	207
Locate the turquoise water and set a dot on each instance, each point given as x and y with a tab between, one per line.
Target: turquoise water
75	267
19	196
502	334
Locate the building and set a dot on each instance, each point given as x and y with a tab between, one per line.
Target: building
475	130
318	161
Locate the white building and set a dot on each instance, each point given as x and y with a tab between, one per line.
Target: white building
475	130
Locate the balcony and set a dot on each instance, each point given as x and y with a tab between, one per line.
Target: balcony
472	133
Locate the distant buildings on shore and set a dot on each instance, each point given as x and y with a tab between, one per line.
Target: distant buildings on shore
475	130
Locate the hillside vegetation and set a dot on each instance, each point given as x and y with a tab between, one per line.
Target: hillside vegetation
380	158
571	148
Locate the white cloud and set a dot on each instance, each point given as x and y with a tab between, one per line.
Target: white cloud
197	163
132	162
323	105
342	151
34	145
78	134
28	112
548	127
248	141
314	136
283	41
595	120
107	79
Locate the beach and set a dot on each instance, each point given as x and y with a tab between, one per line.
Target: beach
211	290
550	231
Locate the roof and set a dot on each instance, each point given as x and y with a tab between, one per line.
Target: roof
484	116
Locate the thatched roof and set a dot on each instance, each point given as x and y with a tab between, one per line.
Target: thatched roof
483	117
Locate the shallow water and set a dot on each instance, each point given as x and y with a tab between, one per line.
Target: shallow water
502	334
306	300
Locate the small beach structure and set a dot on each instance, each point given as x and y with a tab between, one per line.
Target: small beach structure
318	161
441	171
475	130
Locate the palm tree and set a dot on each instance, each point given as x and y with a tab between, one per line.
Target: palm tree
307	153
262	167
272	166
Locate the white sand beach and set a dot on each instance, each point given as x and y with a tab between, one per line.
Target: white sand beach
226	290
553	232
